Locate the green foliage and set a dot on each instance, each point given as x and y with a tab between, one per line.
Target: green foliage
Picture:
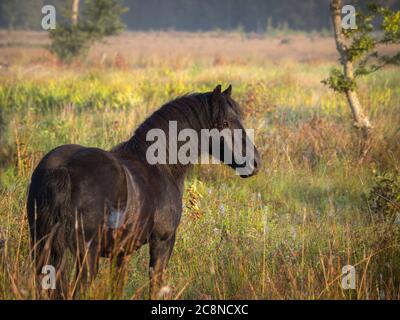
285	233
364	41
20	14
384	198
2	129
338	82
68	42
90	92
390	24
100	18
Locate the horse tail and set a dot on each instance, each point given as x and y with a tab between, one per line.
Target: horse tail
49	215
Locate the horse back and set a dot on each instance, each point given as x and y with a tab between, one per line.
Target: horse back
94	173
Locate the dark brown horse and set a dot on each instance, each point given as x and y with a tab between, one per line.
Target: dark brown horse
98	203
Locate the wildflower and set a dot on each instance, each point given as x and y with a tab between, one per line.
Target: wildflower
293	233
222	209
194	202
217	231
397	219
164	292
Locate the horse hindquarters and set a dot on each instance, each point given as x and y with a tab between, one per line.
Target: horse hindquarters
48	211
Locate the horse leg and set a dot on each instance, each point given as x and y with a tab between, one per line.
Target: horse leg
160	252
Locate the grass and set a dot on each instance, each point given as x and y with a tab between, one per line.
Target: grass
283	234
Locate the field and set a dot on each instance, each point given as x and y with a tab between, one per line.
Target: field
283	234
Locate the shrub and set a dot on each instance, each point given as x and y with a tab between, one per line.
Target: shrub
100	18
69	42
384	197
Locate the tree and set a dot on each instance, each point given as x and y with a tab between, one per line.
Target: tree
75	12
7	10
359	55
99	19
17	15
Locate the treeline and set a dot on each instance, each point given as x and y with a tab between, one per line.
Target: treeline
194	15
250	15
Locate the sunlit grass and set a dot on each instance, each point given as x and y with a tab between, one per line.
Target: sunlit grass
284	234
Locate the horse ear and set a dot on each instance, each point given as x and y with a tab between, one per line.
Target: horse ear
216	93
217	89
228	91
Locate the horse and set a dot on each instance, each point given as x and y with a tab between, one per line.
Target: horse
96	203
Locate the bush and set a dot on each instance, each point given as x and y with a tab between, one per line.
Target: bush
2	130
101	18
384	197
69	42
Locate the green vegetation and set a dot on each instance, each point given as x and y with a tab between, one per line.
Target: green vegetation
285	233
359	55
365	41
99	19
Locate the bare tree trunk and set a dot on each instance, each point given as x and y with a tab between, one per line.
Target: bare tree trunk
360	119
75	12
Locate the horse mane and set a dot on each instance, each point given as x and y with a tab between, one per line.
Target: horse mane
192	110
189	110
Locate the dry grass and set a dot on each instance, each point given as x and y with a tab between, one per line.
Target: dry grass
284	234
137	48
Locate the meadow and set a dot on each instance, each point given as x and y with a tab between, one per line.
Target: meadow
283	234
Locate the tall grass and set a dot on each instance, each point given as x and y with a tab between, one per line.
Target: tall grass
283	234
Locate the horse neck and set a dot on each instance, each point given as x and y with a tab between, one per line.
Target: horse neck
193	116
